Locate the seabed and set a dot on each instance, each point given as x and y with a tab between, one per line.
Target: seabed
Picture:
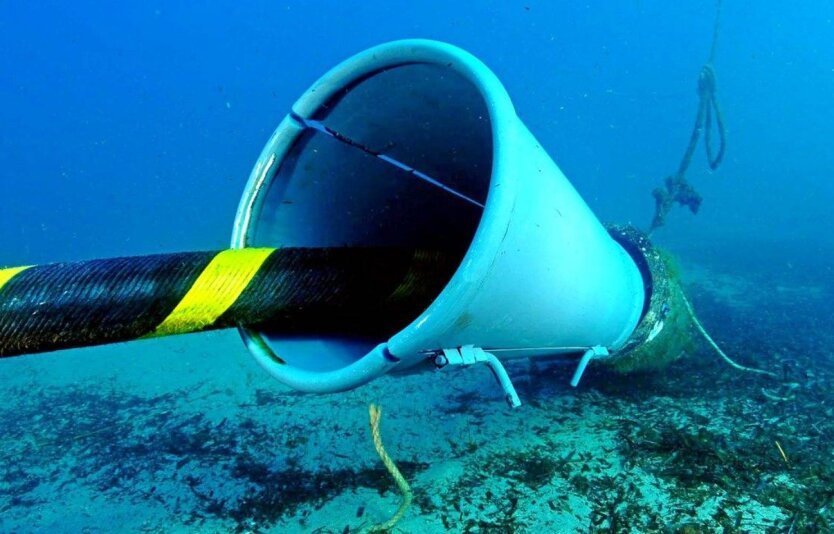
189	435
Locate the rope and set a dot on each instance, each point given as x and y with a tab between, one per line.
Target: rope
715	345
375	413
677	189
368	290
715	30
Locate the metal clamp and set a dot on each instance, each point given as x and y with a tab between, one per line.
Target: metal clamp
469	355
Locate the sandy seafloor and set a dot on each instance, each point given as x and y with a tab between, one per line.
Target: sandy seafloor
188	435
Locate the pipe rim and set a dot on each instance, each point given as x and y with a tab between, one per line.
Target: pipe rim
500	196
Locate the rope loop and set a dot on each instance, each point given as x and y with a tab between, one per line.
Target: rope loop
708	108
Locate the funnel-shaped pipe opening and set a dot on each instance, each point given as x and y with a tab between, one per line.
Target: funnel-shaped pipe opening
416	144
399	156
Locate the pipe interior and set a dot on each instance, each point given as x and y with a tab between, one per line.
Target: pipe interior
347	181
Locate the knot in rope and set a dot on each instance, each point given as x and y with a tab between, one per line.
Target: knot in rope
706	81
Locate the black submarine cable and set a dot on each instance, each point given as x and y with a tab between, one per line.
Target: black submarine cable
360	290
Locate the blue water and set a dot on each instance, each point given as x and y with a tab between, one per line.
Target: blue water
130	128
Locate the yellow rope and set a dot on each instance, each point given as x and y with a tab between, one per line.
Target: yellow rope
375	413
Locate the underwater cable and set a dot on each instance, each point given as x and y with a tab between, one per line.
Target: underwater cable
74	304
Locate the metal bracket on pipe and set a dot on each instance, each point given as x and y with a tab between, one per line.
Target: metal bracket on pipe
589	355
469	355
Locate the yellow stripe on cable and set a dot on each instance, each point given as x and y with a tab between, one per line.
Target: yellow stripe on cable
214	291
8	274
